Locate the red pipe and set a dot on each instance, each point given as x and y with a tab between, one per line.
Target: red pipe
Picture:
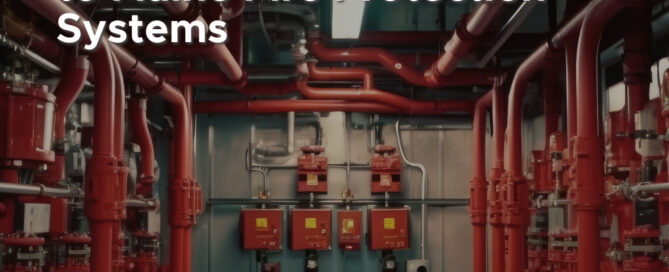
459	46
183	202
588	189
122	171
101	173
394	64
495	204
283	106
70	85
478	202
141	135
368	93
516	208
219	53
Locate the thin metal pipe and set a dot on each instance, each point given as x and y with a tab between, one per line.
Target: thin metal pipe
142	203
34	189
357	202
31	55
507	30
423	190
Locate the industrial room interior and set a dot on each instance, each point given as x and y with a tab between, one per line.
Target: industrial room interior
327	135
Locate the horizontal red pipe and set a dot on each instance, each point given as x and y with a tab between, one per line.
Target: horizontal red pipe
368	93
282	106
395	65
439	74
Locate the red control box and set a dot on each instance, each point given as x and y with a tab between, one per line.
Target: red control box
261	229
389	228
312	170
349	229
386	170
310	229
26	123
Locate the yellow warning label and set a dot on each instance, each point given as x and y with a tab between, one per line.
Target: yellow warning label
312	180
347	226
261	223
389	223
385	180
310	223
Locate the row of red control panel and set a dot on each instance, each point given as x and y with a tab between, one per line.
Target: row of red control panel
310	229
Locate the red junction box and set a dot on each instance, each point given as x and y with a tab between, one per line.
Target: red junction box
310	229
389	228
312	170
261	229
26	122
386	170
349	229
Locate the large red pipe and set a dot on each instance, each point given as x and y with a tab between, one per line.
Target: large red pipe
69	87
218	53
182	212
495	204
282	106
516	207
102	175
368	93
459	46
589	186
141	135
478	184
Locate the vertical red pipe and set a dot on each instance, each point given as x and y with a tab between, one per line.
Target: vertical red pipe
122	172
101	172
587	192
478	184
141	135
187	91
495	206
516	202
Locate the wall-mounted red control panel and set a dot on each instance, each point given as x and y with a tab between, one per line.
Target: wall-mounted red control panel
389	228
386	170
349	229
261	229
312	170
310	229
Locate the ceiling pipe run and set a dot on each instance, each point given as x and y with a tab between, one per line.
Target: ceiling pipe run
461	44
282	106
218	53
368	93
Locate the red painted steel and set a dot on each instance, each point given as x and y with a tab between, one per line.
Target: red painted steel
349	229
439	74
386	170
312	170
281	106
261	229
310	229
478	184
495	198
141	135
587	191
388	228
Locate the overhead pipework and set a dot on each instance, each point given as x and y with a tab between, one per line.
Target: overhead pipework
291	136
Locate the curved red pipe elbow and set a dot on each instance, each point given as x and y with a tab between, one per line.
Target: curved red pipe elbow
69	87
588	188
141	135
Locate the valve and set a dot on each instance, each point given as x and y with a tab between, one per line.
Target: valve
23	252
